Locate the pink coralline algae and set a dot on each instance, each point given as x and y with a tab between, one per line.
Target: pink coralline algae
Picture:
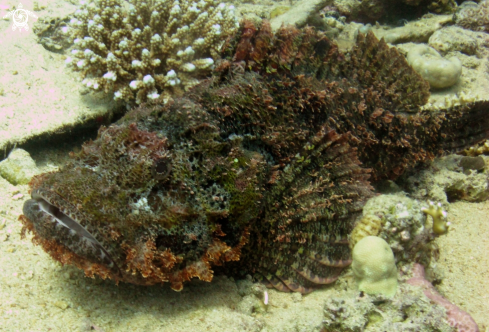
456	317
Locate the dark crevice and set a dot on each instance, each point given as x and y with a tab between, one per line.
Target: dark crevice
45	147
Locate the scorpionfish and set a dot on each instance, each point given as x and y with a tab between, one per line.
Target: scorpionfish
261	169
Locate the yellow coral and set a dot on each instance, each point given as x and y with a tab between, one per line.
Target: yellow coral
374	266
477	150
440	224
369	225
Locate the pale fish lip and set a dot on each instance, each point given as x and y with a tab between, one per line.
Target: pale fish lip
39	204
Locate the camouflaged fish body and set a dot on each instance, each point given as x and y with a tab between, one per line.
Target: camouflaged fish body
261	169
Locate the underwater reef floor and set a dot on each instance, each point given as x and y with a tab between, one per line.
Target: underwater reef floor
37	294
40	295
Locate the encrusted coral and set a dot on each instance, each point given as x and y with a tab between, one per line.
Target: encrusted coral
256	170
473	16
482	148
442	6
404	227
148	50
451	178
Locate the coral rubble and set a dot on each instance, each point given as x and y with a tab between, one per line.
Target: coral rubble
148	50
256	170
456	317
409	310
451	178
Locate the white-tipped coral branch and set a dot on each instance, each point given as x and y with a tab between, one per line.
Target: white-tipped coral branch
125	48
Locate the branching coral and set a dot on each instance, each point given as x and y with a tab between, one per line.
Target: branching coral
440	224
148	50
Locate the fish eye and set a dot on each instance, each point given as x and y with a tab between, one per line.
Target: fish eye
161	168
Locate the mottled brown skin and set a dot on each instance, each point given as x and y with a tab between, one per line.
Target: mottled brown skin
260	169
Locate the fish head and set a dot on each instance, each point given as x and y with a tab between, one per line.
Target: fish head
133	207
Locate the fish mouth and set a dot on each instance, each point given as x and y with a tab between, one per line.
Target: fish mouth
52	222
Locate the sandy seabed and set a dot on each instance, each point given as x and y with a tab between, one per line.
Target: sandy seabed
37	294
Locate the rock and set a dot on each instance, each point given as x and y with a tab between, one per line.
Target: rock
244	285
409	310
361	10
446	180
403	226
475	163
416	32
41	100
457	39
61	304
298	14
250	304
19	167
